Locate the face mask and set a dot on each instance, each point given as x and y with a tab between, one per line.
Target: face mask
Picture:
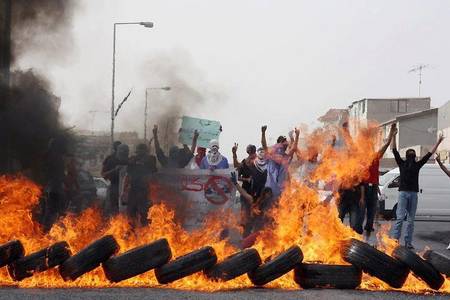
261	154
214	149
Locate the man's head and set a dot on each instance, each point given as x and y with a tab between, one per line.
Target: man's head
122	152
251	151
201	151
141	150
411	154
115	145
214	146
261	153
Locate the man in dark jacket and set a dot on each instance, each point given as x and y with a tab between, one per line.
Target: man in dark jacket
408	189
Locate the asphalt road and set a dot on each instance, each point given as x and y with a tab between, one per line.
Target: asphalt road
435	235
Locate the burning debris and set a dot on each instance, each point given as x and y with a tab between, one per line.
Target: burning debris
195	266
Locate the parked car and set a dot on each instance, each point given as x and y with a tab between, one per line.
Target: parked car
433	196
102	188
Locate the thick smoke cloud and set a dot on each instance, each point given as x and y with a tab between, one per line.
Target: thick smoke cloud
29	115
43	26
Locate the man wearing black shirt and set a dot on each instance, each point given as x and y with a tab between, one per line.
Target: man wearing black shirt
408	189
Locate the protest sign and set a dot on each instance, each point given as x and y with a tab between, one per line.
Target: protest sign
207	129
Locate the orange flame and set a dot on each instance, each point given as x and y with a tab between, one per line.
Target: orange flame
301	218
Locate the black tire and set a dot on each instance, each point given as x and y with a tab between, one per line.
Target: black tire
137	261
10	252
89	258
276	267
374	262
39	261
186	265
439	260
419	267
235	265
310	276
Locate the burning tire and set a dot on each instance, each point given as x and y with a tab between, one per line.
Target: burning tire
186	265
277	267
137	261
375	262
39	261
419	267
10	252
310	276
89	258
235	265
439	260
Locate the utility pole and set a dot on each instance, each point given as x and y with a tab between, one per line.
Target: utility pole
418	69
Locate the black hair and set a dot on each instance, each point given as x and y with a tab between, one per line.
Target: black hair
251	149
281	139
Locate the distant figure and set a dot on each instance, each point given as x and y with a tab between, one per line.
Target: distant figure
408	189
371	189
350	202
110	171
244	169
278	161
214	160
55	203
140	169
178	157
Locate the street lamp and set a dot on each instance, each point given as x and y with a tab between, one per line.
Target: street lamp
165	88
145	24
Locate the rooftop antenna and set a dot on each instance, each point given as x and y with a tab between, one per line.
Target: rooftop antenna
418	69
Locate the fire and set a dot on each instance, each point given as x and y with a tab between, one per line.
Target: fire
301	218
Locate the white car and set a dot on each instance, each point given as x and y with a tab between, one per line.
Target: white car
433	196
102	188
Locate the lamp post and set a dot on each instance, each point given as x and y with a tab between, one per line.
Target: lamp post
145	24
165	88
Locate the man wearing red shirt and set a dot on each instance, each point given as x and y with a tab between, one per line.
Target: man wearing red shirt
371	186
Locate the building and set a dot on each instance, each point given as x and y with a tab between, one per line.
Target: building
416	130
380	110
334	117
444	128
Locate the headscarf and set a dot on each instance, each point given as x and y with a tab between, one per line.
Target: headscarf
260	161
214	157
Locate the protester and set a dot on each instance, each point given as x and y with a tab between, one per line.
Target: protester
244	169
259	208
369	208
201	153
111	169
308	166
446	171
350	202
178	157
408	189
55	202
71	185
214	160
140	169
278	161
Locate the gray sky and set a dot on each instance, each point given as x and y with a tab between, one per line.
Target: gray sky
279	63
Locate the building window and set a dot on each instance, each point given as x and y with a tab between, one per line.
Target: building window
364	106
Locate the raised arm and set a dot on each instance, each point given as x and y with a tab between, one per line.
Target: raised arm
241	191
398	159
439	141
295	144
159	152
263	137
443	168
194	141
389	140
236	163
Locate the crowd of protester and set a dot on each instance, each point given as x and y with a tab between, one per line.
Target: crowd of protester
260	179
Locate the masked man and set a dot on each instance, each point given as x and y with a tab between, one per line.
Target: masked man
214	160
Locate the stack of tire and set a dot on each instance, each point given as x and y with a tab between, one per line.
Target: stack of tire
157	255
